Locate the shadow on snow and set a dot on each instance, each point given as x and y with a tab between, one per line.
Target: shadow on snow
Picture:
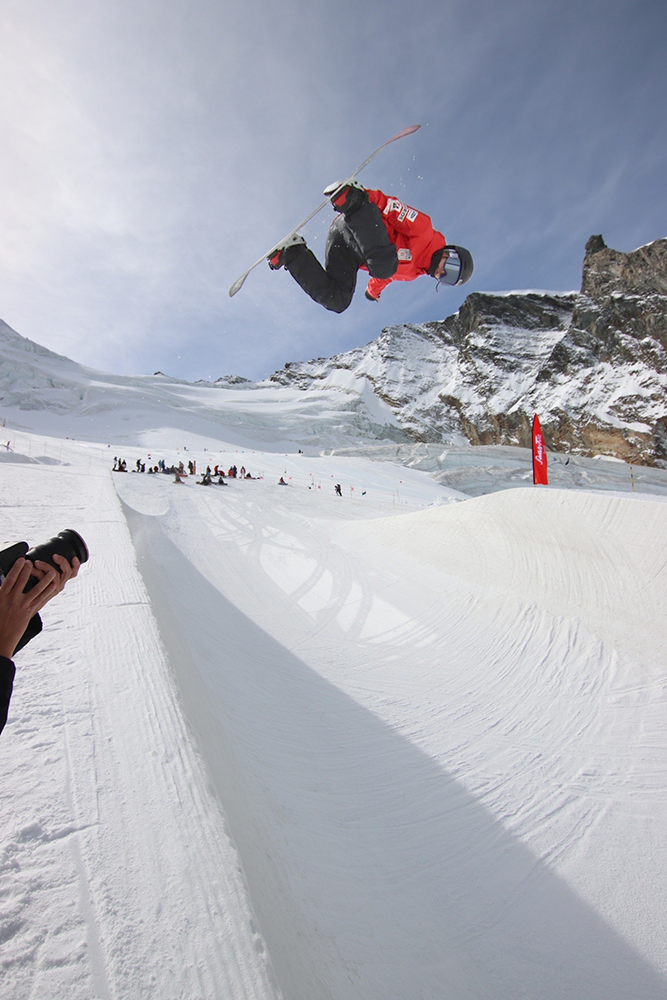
372	872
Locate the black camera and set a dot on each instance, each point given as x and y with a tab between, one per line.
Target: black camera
66	543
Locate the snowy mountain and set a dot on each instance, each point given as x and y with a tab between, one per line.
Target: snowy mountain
45	392
593	364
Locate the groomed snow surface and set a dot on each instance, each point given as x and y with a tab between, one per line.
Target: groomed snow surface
394	745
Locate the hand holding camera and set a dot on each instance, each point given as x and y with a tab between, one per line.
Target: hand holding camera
30	579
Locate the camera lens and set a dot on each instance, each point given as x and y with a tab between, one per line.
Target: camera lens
66	543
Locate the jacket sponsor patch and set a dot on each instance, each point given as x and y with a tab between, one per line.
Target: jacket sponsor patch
412	214
403	213
404	254
393	205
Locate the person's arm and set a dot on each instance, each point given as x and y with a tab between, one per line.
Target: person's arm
7	671
375	286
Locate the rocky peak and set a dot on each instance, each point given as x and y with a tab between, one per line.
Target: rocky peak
608	272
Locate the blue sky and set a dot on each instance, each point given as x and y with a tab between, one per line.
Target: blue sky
153	149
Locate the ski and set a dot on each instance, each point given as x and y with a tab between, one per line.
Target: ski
399	135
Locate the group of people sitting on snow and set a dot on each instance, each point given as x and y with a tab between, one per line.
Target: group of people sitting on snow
232	473
120	465
207	478
216	474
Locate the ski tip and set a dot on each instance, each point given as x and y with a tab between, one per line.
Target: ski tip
408	131
236	287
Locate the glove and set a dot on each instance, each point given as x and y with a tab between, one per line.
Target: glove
370	297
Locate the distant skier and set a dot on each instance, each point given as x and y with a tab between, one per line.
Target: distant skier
375	233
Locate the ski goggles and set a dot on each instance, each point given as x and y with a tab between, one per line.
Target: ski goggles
451	271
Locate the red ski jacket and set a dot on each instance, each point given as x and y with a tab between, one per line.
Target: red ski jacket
413	236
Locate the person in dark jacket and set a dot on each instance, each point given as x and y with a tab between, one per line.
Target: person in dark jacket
17	609
376	233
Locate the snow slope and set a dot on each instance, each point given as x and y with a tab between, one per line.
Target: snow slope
276	743
118	876
45	393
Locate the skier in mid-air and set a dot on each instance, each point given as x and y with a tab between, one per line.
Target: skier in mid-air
375	233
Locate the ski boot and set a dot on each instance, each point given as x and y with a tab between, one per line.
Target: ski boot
286	251
346	196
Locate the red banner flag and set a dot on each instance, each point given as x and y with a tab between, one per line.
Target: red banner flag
539	455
